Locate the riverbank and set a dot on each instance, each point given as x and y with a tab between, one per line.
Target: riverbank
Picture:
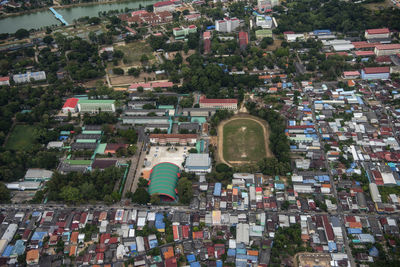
105	2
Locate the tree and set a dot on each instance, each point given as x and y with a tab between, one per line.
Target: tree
222	167
134	72
192	150
141	196
185	190
48	39
70	194
118	71
21	34
155	199
5	195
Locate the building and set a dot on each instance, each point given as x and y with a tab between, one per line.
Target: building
266	5
145	120
29	76
181	32
377	33
375	73
243	40
32	257
292	37
113	148
95	105
207	42
260	34
150	85
387	49
264	22
218	103
163	180
166	5
351	74
38	175
150	18
4	81
227	24
198	163
70	105
175	139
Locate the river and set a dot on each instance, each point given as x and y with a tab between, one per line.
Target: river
46	18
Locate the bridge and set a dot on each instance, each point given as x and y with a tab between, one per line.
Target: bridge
59	16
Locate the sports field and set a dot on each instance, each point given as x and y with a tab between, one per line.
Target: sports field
243	141
21	137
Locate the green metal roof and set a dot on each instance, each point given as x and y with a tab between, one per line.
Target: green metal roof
164	179
78	162
97	101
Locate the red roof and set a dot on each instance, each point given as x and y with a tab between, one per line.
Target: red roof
388	46
383	59
71	103
378	31
206	35
218	101
364	53
3	79
351	73
363	44
163	3
376	70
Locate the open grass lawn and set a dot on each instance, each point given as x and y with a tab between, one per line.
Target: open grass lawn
134	51
21	137
243	141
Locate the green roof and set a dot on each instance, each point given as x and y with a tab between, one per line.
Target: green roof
78	162
97	101
164	179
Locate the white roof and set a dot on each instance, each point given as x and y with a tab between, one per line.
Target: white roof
198	160
38	173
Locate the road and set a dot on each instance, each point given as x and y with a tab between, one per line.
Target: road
339	210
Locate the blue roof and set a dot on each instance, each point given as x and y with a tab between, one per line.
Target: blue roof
217	189
332	246
190	258
7	251
19	248
153	243
373	252
38	236
159	223
231	252
195	264
219	263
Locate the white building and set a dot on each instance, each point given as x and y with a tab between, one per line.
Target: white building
227	24
292	37
264	22
4	81
27	77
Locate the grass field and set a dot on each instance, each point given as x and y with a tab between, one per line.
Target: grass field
134	51
243	141
21	137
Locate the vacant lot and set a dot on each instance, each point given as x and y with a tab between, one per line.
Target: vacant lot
21	137
134	51
243	141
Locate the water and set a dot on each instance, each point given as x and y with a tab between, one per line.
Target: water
46	18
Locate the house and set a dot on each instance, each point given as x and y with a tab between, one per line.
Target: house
180	139
96	105
387	49
27	77
32	257
227	24
243	40
4	81
375	73
218	103
198	163
145	120
377	33
292	37
70	105
112	148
